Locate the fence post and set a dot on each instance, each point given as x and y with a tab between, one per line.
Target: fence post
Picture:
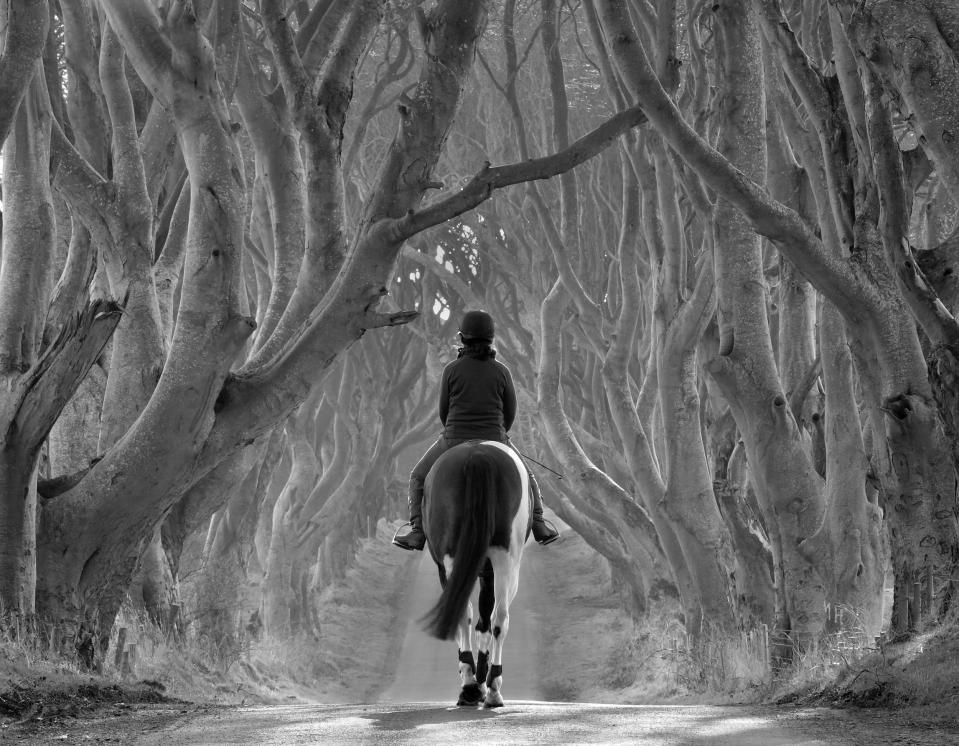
930	591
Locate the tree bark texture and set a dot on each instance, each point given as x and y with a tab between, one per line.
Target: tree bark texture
851	535
784	477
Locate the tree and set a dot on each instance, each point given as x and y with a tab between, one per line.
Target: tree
861	286
219	221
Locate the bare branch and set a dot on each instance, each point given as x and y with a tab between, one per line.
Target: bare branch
828	120
81	185
398	318
296	82
149	48
487	180
126	158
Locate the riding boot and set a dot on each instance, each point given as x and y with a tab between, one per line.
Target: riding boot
543	531
414	539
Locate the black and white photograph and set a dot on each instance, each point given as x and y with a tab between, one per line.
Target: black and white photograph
479	371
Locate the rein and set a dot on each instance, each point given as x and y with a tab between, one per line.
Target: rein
539	463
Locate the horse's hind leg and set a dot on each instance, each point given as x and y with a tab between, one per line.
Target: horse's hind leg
505	583
483	628
470	691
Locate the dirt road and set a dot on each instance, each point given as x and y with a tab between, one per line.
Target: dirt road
518	724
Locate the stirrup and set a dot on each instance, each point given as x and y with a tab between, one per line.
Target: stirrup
549	539
403	541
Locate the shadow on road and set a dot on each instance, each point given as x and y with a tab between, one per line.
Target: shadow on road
407	719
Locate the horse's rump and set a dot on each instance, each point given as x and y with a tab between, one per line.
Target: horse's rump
475	494
445	504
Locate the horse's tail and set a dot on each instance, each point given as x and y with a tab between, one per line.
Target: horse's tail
475	533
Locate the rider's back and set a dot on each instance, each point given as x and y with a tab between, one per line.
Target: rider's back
478	398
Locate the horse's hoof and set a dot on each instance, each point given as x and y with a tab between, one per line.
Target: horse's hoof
470	696
493	699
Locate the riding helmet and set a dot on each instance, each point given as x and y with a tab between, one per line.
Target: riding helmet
477	325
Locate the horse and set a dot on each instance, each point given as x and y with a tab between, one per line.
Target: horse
477	516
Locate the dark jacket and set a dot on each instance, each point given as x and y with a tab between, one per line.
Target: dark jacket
477	399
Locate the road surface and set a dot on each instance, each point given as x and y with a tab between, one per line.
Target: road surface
518	723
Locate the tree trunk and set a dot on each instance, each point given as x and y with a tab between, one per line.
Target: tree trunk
756	580
851	534
154	587
73	439
28	237
278	576
689	499
281	558
119	500
18	530
746	371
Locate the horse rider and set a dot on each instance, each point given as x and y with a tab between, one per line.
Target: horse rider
477	402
